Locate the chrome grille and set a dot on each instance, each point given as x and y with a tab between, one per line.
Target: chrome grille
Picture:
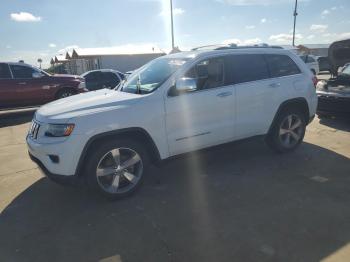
34	129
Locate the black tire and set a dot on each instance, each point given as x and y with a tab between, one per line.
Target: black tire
101	153
277	137
66	92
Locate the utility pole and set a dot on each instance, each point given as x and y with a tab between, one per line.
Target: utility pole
172	25
295	20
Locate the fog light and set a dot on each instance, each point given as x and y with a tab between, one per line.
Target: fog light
55	159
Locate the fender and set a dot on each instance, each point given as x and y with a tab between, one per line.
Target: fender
292	102
132	131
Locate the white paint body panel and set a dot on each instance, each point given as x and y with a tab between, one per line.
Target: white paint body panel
176	124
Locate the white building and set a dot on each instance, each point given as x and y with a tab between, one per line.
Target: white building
121	58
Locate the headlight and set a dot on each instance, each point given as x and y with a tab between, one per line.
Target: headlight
59	130
82	85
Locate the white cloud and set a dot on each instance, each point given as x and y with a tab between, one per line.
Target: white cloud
25	17
319	28
310	37
252	41
325	12
176	11
52	45
8	46
263	20
255	2
285	38
249	26
334	8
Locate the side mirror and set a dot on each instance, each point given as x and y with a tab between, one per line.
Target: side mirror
185	85
37	75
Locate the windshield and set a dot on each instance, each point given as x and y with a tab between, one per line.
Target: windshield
149	77
346	71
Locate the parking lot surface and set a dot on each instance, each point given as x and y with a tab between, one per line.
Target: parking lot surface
238	202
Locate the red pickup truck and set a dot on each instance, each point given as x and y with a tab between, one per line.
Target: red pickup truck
24	85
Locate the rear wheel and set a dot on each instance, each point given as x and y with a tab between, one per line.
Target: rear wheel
115	169
65	93
288	131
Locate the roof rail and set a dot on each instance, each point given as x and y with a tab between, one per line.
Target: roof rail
234	46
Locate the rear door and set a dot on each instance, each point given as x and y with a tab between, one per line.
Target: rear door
257	94
7	89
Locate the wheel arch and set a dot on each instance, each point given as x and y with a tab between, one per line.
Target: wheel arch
65	88
138	134
300	103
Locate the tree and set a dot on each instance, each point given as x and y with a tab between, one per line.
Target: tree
40	61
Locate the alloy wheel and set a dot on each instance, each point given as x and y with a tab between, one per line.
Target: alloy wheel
291	131
119	170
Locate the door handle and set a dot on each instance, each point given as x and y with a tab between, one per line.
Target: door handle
274	85
22	83
224	94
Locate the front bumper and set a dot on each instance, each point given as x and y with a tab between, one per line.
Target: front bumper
64	180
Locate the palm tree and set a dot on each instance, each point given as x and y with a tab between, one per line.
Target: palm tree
40	61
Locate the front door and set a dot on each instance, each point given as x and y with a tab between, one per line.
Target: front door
204	116
27	89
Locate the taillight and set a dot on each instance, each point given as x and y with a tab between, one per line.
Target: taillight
314	80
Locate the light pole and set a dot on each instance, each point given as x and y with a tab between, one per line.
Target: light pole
172	25
295	20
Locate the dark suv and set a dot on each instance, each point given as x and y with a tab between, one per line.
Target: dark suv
24	85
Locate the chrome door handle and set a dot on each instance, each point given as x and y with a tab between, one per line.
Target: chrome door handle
224	94
22	83
274	85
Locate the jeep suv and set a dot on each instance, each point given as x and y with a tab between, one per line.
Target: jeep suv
24	85
172	105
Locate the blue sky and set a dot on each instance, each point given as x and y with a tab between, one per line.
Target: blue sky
42	28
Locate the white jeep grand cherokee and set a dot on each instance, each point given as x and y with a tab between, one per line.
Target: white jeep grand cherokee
172	105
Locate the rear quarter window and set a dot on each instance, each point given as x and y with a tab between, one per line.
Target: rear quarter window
281	65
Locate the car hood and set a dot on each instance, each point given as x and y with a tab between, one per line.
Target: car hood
64	109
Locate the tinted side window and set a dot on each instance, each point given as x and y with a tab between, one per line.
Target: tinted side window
310	59
208	73
281	65
110	77
93	76
5	71
303	57
22	71
246	68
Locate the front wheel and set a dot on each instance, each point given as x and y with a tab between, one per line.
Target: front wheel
65	93
288	131
116	168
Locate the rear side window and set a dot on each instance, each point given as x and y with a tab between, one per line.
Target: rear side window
310	59
281	65
4	71
110	76
246	68
22	71
94	76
